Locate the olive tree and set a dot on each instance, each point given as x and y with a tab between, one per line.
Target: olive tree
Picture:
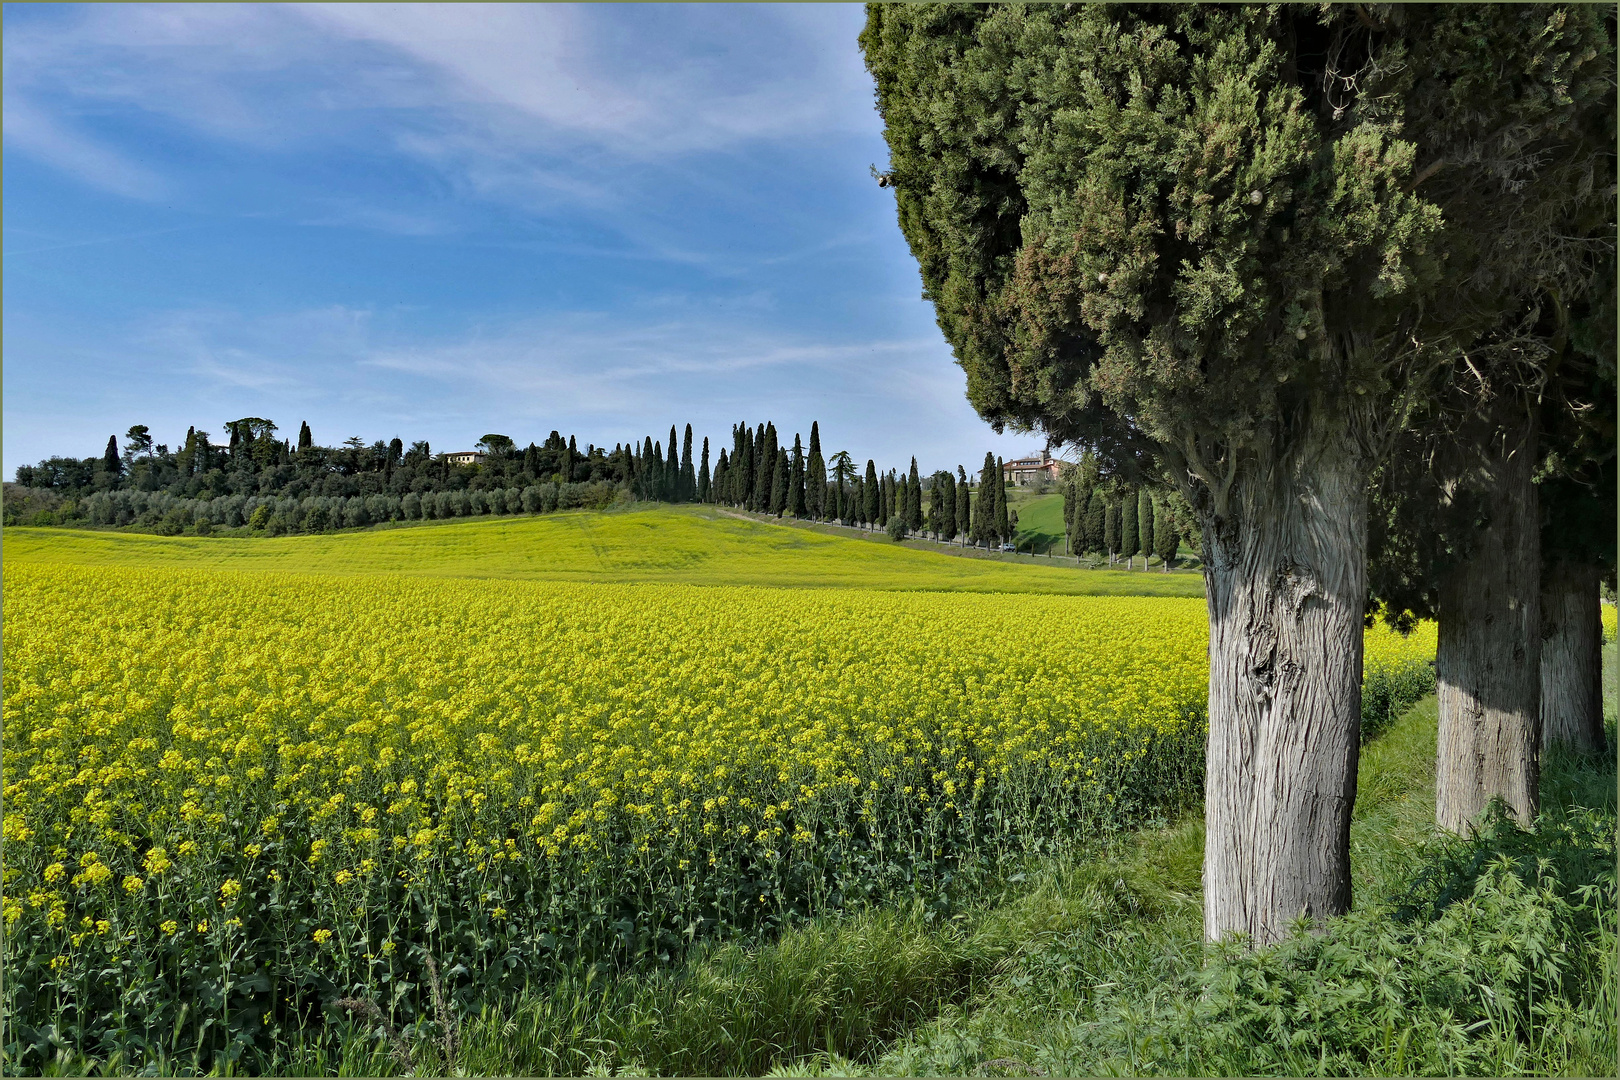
1194	239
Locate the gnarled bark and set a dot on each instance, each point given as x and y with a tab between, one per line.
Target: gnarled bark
1286	583
1489	656
1571	656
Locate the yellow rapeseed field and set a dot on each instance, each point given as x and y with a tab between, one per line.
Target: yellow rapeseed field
266	790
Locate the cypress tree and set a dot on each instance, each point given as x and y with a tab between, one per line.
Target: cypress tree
984	511
779	484
305	440
703	474
672	468
1074	517
914	520
764	462
1068	488
1165	539
185	460
931	519
870	504
885	498
1088	519
651	469
796	502
1130	540
569	458
1321	212
964	505
1002	527
815	477
717	487
110	461
1144	523
689	485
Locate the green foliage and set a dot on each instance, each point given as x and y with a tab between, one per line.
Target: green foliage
914	520
1388	692
1126	217
1491	955
1130	541
1144	523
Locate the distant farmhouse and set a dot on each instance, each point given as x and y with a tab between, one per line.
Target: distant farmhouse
464	457
1030	470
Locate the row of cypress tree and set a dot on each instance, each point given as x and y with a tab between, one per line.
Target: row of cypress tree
1120	523
759	474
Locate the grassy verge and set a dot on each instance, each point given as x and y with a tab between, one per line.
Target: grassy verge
1491	955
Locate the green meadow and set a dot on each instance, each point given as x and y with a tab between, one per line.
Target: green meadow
692	545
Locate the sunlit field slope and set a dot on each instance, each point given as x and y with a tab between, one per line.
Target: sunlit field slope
685	545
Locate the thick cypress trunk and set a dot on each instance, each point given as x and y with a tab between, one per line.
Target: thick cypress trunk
1489	658
1286	584
1571	656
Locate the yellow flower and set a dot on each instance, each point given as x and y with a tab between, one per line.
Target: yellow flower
157	861
229	890
202	927
132	884
322	936
54	873
343	877
169	926
97	873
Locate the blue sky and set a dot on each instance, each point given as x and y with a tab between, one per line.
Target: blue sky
437	222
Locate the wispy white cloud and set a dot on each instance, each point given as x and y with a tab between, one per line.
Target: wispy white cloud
50	139
509	98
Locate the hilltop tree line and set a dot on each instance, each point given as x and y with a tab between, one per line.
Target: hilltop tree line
278	485
1343	277
759	474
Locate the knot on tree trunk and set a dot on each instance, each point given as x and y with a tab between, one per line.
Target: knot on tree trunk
1296	583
